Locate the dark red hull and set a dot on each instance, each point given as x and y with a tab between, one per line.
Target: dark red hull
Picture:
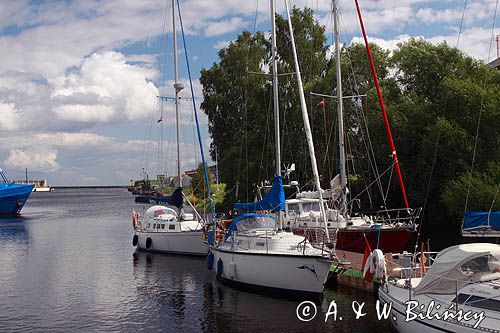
394	240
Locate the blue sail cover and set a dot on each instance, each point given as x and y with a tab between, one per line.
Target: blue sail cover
481	219
274	200
176	199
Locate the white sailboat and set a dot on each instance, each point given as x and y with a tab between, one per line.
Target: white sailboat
256	252
170	229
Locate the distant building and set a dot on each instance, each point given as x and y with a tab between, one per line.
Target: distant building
495	64
212	169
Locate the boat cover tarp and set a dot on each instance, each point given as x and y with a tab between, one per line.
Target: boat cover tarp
274	199
445	275
254	221
481	219
176	199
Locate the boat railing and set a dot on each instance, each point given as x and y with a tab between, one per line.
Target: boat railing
263	241
405	265
398	215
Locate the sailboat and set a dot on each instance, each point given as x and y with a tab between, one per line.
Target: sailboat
13	196
168	228
387	229
256	252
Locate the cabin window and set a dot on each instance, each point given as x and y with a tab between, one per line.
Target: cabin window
310	206
163	226
154	225
293	208
479	302
260	243
171	227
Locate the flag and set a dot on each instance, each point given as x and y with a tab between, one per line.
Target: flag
160	120
367	258
321	103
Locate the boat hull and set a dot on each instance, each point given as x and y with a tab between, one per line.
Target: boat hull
397	297
285	274
13	197
392	240
185	242
152	199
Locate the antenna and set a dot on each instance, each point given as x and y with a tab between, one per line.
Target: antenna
498	46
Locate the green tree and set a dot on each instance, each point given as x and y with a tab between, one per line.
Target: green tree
198	184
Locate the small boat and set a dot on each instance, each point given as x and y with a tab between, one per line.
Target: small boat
13	196
169	230
460	292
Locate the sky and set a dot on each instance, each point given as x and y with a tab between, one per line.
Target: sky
79	80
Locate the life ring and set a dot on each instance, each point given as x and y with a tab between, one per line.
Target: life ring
148	243
210	260
134	219
135	240
220	267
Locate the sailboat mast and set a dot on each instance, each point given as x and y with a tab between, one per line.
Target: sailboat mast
178	87
277	142
340	108
307	126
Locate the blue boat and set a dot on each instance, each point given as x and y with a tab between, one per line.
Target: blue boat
13	196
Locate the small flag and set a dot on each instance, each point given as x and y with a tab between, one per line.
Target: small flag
160	120
321	103
367	262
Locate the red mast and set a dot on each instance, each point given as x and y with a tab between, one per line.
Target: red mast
382	106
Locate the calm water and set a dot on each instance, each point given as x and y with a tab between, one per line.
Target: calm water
68	264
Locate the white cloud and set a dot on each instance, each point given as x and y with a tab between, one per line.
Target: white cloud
35	160
386	44
9	116
222	44
223	27
105	88
66	139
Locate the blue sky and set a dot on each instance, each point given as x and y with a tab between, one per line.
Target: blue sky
78	79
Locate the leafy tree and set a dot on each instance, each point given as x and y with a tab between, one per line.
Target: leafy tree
198	184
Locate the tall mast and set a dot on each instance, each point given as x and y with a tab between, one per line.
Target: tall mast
340	108
277	142
178	87
305	117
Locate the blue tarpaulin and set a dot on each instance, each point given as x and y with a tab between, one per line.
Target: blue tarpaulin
274	200
481	219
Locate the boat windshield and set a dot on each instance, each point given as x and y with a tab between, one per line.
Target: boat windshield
156	211
310	206
481	267
256	222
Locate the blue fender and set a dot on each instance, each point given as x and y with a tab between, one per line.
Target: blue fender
210	260
220	267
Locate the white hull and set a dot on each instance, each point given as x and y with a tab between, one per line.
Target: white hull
398	296
42	189
185	242
288	273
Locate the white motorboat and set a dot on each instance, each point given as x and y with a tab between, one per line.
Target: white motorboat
166	229
459	293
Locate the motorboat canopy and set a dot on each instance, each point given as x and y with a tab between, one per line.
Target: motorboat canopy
460	265
156	212
250	221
